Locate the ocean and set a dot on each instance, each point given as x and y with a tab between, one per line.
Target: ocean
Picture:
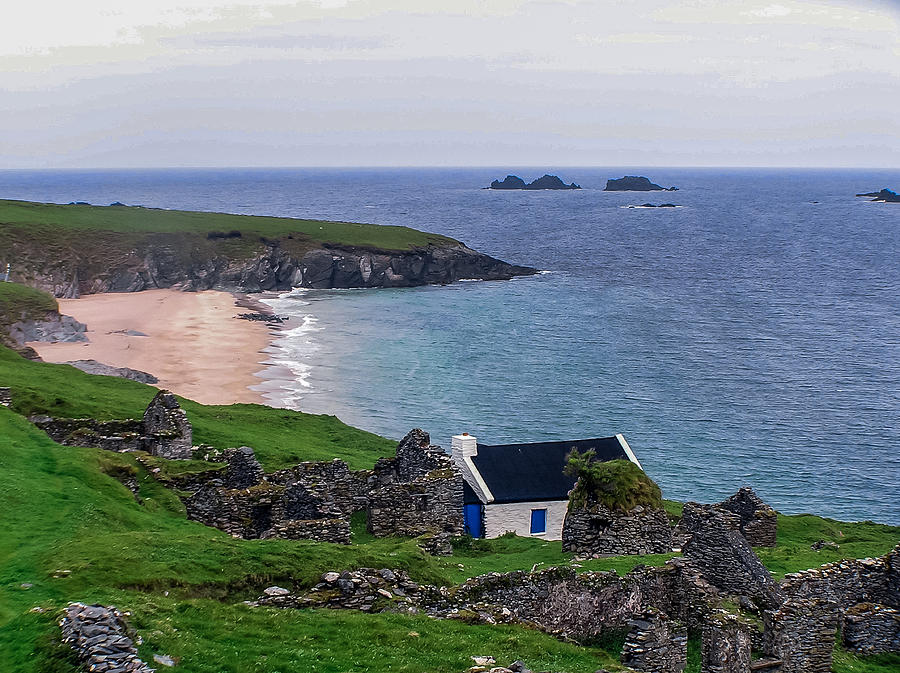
750	336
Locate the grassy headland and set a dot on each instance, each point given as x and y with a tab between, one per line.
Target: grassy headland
20	218
71	531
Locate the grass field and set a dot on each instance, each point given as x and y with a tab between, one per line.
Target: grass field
45	217
184	583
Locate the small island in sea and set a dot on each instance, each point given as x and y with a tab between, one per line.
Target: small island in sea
635	183
544	182
884	196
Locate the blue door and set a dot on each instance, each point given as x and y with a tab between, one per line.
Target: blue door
472	520
538	521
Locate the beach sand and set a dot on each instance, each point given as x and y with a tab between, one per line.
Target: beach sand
194	344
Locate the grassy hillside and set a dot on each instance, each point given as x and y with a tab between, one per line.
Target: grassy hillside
280	438
70	531
19	302
21	218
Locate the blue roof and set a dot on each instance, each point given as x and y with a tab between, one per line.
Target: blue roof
530	472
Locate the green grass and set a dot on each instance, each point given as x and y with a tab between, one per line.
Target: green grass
61	508
44	217
797	533
279	437
20	302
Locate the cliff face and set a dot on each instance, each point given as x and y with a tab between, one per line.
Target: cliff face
172	262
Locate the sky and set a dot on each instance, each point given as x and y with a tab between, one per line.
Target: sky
151	83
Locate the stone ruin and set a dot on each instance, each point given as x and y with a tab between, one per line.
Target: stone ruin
718	589
164	430
242	501
416	493
756	521
5	397
596	530
726	559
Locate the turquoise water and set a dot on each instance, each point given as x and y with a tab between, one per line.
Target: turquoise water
750	337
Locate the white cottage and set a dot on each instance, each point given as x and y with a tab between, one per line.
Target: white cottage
521	487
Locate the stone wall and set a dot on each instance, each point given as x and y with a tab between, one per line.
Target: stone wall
726	644
242	502
655	644
801	633
333	480
758	521
164	430
596	530
744	512
418	492
167	427
869	628
579	606
850	581
99	637
5	397
727	560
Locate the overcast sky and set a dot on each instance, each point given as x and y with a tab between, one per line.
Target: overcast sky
130	83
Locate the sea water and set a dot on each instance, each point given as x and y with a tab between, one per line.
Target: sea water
751	336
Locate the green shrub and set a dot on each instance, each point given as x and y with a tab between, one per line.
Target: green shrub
618	484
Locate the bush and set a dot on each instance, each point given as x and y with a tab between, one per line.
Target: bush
618	484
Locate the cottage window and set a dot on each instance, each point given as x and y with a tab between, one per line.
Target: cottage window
538	521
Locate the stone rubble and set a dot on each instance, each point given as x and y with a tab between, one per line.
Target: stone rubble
99	637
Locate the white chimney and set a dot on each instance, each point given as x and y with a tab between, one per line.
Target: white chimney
463	446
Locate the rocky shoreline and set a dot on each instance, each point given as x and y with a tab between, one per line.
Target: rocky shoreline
161	264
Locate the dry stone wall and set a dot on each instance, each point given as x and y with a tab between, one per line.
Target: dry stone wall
655	644
869	628
99	637
744	512
5	397
418	492
801	633
850	581
596	530
726	644
726	559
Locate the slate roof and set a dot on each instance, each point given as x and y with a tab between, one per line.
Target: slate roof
529	472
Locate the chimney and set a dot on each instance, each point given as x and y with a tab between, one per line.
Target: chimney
463	446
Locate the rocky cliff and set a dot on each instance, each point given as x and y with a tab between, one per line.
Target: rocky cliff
68	257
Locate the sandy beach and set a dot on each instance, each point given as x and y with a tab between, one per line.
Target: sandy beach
192	341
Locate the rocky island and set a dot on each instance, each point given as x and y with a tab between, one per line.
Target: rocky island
884	196
635	183
543	182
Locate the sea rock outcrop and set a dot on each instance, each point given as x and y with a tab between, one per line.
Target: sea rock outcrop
546	181
884	196
634	183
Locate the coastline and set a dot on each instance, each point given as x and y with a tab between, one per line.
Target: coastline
192	342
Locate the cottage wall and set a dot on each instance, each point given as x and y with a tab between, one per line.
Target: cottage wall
500	518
